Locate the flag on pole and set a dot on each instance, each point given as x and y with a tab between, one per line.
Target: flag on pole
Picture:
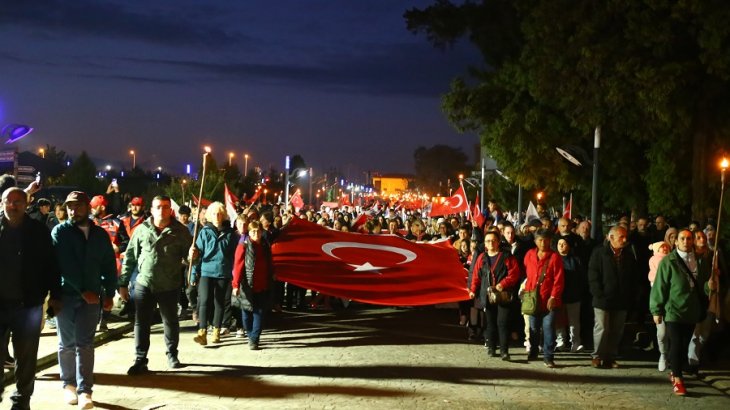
568	211
230	200
452	205
476	214
204	202
297	201
531	213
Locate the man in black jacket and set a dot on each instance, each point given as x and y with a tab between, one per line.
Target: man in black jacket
29	273
612	278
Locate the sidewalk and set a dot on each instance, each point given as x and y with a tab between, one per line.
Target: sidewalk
368	357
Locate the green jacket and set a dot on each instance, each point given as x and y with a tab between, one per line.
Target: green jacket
672	295
87	264
158	256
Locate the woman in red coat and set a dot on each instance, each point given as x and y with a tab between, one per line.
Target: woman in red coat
538	262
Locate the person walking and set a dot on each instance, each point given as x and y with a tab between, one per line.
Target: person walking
89	272
156	249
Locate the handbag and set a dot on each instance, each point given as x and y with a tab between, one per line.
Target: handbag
497	297
531	299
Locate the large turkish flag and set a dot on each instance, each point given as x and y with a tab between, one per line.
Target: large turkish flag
452	205
378	269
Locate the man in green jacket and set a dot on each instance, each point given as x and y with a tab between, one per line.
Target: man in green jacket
157	249
679	298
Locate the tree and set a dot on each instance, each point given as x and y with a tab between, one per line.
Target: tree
435	165
653	75
82	174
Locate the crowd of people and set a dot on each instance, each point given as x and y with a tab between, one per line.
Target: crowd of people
171	260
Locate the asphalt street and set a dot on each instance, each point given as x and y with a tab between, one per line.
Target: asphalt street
367	357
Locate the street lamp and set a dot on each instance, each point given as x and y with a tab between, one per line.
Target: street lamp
300	172
182	186
42	151
134	158
245	165
230	158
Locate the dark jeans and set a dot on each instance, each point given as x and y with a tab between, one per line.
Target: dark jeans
253	320
25	325
544	321
679	336
220	291
145	304
497	322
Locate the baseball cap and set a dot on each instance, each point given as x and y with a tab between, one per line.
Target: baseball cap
98	201
76	196
137	201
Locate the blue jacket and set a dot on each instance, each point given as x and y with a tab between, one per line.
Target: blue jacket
86	264
217	248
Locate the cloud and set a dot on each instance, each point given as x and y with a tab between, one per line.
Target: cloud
105	19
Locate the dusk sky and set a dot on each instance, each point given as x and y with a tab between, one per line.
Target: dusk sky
340	82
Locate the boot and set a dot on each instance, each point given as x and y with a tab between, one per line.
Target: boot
216	338
201	338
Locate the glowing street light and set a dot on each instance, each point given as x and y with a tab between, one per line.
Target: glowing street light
42	151
230	158
134	158
245	165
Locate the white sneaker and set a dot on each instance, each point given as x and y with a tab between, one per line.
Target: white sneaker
69	394
85	401
577	349
240	334
662	363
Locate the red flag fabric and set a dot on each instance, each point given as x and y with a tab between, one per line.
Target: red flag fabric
297	201
476	214
256	195
452	205
568	208
230	204
377	269
205	202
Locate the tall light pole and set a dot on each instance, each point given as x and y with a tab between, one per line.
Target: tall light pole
42	151
715	303
182	186
134	158
286	182
595	222
245	165
230	158
310	187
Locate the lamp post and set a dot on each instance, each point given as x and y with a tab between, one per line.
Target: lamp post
230	158
182	187
595	222
286	182
714	294
309	202
245	165
42	151
134	158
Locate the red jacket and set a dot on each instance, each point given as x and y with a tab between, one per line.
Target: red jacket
552	285
508	277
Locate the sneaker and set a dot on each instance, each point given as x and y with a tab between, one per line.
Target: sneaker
253	346
613	365
225	331
139	367
69	395
173	362
505	357
662	366
85	401
596	363
577	349
678	387
561	348
549	364
51	323
240	334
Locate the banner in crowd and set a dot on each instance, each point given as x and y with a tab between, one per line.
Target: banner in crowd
377	269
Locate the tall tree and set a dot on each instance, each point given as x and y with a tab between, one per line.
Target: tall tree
653	74
82	174
437	165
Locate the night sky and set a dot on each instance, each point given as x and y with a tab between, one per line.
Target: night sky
340	82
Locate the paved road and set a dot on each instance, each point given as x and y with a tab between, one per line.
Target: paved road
372	358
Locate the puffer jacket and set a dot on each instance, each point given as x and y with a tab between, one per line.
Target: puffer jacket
243	270
217	248
158	256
